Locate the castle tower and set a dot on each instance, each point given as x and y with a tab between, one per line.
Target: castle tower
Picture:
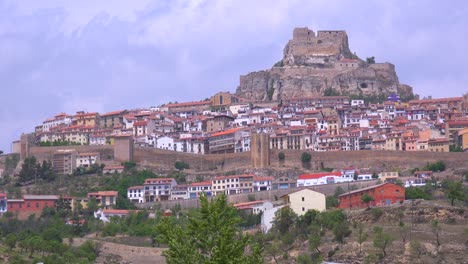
123	148
260	150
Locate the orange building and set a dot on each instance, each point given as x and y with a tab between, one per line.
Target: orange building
383	194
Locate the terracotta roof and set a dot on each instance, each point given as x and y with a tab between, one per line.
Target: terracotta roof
40	197
140	123
318	175
249	203
103	193
205	183
158	180
437	100
365	189
136	187
3	195
114	167
225	132
113	113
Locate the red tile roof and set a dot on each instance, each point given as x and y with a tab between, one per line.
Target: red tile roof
205	183
225	132
136	187
113	113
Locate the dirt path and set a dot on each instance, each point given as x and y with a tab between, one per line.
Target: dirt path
129	254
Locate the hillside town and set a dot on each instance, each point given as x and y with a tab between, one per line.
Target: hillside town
224	124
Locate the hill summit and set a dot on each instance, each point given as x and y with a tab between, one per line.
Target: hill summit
316	62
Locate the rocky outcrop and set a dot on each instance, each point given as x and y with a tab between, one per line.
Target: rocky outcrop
314	63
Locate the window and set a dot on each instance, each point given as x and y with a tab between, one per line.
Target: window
37	205
303	199
303	209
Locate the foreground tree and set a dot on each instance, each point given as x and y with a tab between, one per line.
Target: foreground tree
212	235
382	240
454	191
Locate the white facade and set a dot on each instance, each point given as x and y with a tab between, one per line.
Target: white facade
262	183
57	121
268	217
136	194
357	102
165	143
87	159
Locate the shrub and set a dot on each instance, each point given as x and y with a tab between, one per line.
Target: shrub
436	166
376	213
306	157
180	165
128	165
281	156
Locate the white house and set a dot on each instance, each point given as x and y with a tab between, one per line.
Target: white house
87	159
262	183
268	217
254	207
305	180
105	214
136	194
165	142
197	188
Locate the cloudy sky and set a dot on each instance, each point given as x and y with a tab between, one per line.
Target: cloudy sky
106	55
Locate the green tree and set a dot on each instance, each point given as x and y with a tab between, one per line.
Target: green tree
306	157
370	60
367	198
281	156
375	175
436	228
382	240
330	92
92	205
180	165
284	220
455	148
465	235
332	201
362	236
10	240
211	236
454	191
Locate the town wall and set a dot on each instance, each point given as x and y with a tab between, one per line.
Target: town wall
373	159
46	153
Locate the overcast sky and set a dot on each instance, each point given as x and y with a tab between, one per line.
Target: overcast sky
107	55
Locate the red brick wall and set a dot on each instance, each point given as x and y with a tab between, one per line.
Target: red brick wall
30	205
381	194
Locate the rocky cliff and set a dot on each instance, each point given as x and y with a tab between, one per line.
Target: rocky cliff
313	63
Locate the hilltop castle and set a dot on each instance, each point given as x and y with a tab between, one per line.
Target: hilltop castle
312	63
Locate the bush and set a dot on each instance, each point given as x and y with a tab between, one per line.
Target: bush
306	157
180	165
376	213
128	165
281	156
417	193
436	166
